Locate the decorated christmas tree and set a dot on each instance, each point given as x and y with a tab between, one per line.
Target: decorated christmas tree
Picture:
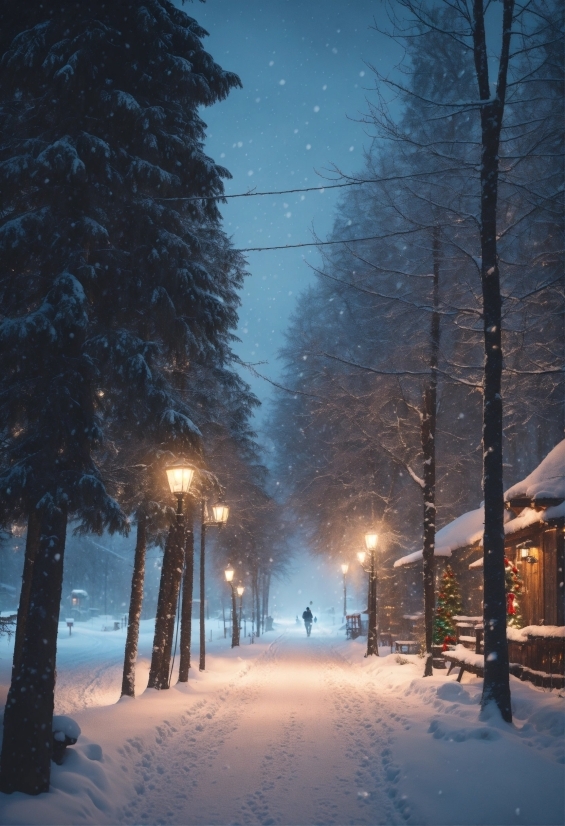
448	606
514	588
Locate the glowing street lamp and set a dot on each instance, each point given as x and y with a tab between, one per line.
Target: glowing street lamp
344	570
220	513
228	573
179	477
371	540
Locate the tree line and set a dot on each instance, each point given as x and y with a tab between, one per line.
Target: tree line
400	356
118	310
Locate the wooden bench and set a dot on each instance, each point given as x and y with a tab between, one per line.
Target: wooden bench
407	646
463	664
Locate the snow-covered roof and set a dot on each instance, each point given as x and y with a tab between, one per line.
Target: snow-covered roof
547	481
465	530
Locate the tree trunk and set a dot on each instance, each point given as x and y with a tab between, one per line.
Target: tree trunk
187	589
263	602
202	664
496	685
234	623
32	547
372	631
171	574
267	593
25	762
136	601
428	434
257	605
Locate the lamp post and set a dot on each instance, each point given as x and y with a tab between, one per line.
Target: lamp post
240	590
371	541
229	572
344	570
180	477
220	512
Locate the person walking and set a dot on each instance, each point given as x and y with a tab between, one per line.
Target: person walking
307	617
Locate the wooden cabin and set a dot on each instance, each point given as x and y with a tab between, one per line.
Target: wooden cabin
534	541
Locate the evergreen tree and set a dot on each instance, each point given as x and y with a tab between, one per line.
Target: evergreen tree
108	290
514	588
448	606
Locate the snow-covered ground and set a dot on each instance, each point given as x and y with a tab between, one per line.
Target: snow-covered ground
292	730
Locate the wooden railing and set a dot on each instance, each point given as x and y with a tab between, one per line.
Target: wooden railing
538	659
541	660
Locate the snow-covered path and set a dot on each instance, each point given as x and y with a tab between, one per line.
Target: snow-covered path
282	744
292	731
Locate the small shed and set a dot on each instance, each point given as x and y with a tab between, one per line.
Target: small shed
79	604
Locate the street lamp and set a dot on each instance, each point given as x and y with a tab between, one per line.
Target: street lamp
344	570
240	589
220	512
371	542
229	572
179	477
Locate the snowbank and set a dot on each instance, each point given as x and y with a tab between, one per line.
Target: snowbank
456	768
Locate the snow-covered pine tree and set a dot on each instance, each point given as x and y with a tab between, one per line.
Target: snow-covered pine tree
99	122
448	606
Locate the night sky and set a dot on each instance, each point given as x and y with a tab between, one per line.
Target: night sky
305	79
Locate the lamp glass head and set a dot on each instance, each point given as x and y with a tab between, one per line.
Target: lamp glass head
229	572
361	556
221	513
344	568
371	539
524	552
240	590
180	477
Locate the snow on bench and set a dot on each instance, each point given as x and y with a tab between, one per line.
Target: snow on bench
466	660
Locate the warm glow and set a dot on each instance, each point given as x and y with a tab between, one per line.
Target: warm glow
361	556
221	513
344	568
528	553
240	590
180	478
371	539
229	572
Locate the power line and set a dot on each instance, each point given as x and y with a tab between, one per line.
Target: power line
309	244
271	192
252	194
326	243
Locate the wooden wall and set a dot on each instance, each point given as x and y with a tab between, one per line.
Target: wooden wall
542	598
